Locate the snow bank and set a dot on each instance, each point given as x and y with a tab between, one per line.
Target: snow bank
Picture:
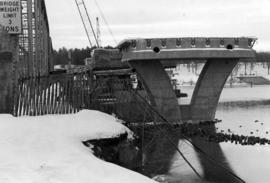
48	149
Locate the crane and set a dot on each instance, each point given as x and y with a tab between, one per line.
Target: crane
85	17
98	31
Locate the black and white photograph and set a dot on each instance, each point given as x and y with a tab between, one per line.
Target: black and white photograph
134	91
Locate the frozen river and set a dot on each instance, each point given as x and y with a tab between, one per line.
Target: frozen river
256	93
251	163
239	116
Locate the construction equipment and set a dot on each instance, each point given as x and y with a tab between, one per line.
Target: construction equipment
98	31
88	27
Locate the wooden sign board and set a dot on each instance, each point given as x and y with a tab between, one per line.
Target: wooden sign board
10	16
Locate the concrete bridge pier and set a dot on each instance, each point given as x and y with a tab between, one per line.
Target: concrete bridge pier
150	56
209	87
205	96
158	87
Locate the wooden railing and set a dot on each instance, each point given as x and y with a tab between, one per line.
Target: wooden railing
53	94
68	92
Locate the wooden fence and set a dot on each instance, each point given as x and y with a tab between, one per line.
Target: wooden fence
59	93
63	93
66	93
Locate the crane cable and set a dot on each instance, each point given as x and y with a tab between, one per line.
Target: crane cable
88	36
105	21
198	149
175	146
89	20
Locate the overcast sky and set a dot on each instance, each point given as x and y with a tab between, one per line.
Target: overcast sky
161	18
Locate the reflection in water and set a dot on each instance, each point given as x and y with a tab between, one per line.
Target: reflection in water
163	161
158	151
160	157
217	168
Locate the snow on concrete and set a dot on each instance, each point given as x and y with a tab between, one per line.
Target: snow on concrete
48	149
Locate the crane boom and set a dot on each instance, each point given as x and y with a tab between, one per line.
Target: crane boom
83	11
98	31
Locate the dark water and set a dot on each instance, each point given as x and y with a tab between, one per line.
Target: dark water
251	163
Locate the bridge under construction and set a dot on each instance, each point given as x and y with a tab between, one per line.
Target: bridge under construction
149	57
30	86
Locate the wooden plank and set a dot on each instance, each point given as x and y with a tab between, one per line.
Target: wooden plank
70	94
45	95
20	92
79	89
40	96
66	95
35	98
74	94
32	99
52	97
27	98
48	96
24	97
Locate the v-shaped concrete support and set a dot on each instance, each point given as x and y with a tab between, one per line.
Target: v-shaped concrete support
158	87
209	87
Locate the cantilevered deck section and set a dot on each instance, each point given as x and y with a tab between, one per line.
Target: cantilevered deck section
149	57
177	49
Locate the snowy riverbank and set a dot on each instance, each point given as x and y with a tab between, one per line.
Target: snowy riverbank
49	149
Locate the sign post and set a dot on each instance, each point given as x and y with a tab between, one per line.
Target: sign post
10	28
10	16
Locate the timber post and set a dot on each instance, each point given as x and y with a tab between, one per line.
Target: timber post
8	75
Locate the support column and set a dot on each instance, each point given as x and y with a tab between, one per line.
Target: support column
6	82
158	86
209	87
203	107
8	60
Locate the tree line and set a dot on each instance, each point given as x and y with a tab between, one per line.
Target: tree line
76	56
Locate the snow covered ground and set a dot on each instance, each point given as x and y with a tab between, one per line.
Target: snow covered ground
49	149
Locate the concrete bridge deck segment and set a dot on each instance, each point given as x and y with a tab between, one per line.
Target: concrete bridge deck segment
177	49
149	57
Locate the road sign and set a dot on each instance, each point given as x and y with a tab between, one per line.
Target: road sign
10	16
